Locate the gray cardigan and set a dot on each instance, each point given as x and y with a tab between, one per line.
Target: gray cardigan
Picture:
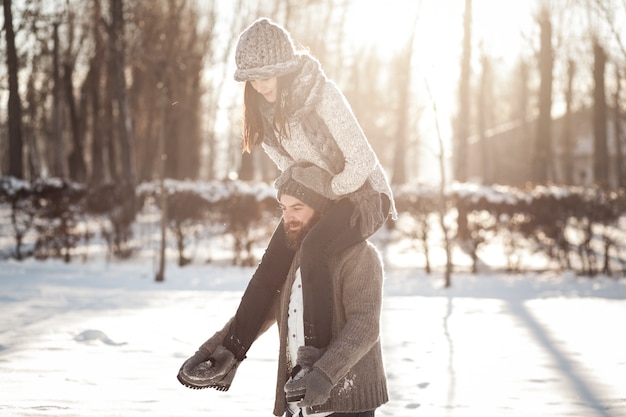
353	360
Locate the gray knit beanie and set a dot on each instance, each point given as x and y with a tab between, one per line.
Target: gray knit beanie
285	184
265	50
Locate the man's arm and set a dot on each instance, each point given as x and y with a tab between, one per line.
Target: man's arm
360	280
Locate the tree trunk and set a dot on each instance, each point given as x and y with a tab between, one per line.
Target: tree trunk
33	157
462	131
619	133
162	160
76	159
97	132
403	84
600	151
568	143
109	132
124	124
524	138
16	144
443	203
57	168
543	140
485	106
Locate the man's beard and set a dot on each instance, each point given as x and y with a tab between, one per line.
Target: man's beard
295	237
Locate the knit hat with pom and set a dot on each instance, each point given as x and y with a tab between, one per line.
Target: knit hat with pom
265	50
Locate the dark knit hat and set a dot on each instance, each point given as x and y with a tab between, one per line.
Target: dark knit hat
285	184
265	50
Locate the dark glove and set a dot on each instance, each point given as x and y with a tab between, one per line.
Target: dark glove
307	356
316	385
222	361
201	355
314	178
367	210
204	352
218	371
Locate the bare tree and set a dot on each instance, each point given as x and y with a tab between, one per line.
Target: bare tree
485	118
94	83
609	12
77	169
463	120
442	200
600	149
542	158
567	134
520	102
57	146
109	132
403	85
620	134
169	50
16	145
216	90
117	47
32	113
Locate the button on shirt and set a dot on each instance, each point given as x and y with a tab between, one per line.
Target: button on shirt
295	327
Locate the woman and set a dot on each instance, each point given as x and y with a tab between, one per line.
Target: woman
302	119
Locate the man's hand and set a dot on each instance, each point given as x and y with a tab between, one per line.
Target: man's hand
222	361
216	372
316	385
202	355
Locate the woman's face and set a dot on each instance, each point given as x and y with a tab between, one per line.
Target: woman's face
267	88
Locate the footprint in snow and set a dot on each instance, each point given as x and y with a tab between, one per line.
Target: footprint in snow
95	336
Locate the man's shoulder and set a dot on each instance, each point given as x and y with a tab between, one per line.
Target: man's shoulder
362	251
356	262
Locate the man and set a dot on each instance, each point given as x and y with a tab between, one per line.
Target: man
346	378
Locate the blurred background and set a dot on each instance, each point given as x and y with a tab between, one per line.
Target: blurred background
485	91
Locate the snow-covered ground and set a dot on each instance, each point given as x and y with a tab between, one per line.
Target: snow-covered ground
103	339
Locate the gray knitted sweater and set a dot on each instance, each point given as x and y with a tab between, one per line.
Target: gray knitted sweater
353	360
350	150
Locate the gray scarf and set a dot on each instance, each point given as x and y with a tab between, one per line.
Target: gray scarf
299	102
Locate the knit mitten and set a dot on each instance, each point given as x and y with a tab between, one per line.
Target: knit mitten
201	355
367	210
204	352
316	385
315	178
307	356
192	373
217	372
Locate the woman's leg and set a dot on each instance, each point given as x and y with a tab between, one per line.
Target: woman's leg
266	282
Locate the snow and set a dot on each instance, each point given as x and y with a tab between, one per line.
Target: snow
102	338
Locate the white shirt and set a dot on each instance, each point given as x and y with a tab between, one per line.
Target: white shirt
295	330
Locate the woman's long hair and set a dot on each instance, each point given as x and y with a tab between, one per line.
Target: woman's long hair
253	126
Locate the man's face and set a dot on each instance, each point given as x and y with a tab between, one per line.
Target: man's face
298	219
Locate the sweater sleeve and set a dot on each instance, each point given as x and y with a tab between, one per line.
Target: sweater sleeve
360	159
281	160
360	282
